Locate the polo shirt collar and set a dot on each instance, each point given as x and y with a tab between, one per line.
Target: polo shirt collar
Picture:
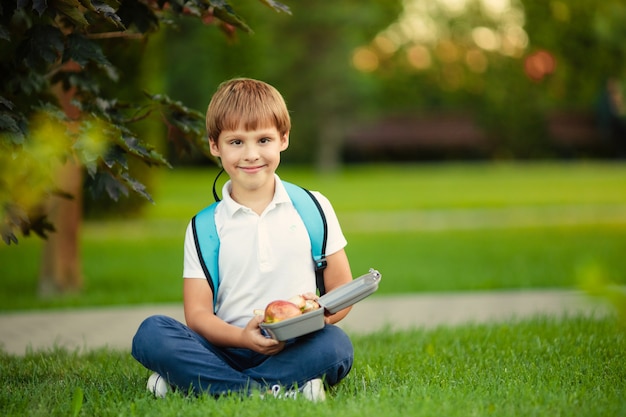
232	207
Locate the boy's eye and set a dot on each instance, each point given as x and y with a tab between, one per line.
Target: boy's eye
265	140
235	142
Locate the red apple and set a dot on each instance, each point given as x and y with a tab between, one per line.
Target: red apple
280	310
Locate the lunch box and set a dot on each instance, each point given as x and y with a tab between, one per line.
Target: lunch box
332	302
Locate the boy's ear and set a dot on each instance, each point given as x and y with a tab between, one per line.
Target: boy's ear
284	141
215	150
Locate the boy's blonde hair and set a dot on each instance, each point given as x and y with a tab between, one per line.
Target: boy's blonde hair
247	103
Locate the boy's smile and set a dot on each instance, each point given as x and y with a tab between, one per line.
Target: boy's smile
252	169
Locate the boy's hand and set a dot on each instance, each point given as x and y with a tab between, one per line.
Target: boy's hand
310	296
328	318
254	339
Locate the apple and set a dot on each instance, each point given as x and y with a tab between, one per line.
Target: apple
280	310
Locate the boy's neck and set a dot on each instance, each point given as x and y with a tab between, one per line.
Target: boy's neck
256	200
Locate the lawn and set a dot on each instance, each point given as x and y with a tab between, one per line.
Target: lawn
427	228
536	367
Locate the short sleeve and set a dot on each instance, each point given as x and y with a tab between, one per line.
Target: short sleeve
191	262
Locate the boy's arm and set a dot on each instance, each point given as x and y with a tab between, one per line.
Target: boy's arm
198	304
337	273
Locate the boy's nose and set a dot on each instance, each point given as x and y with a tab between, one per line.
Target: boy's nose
251	153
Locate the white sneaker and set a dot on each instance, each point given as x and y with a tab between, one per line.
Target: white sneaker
312	390
158	386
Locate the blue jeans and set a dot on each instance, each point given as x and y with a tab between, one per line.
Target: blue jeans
190	363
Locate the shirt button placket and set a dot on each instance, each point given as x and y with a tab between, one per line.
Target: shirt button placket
263	249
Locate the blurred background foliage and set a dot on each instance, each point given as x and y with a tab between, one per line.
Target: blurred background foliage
397	80
307	56
522	78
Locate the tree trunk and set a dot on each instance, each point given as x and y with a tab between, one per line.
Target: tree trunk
61	270
330	141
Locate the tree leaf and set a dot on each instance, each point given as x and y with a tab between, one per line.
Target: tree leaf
92	168
94	4
136	186
72	10
115	185
11	124
176	107
185	126
133	12
42	46
87	4
108	12
8	123
23	3
13	217
27	83
83	51
7	235
6	103
279	7
104	183
115	156
224	12
148	155
40	225
4	33
39	6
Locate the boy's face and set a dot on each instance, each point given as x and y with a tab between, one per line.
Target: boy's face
250	157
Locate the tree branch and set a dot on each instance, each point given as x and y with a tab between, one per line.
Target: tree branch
111	35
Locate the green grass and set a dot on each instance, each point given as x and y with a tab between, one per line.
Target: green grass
468	185
535	367
425	227
383	188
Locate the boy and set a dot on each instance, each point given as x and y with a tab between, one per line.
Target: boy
265	255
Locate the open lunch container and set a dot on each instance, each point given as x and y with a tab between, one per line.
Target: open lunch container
332	302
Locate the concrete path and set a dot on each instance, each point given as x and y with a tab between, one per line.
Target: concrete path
114	327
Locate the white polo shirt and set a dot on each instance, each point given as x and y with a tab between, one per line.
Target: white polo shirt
262	258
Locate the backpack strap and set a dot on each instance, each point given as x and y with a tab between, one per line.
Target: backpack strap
208	246
314	220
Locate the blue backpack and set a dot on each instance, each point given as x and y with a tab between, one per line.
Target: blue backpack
208	242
